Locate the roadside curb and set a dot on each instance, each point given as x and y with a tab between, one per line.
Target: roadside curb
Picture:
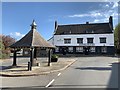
37	74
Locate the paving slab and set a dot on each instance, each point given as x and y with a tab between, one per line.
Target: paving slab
22	69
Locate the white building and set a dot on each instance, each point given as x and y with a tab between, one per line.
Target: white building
89	38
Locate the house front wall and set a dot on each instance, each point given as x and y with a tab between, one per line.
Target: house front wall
59	40
94	48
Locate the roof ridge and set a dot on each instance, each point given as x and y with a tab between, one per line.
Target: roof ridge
83	24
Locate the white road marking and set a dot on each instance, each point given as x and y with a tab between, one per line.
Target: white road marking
59	74
50	83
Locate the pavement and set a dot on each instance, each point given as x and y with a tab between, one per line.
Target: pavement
43	68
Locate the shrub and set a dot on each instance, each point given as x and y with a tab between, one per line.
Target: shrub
54	56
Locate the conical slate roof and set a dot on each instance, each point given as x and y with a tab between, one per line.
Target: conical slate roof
32	39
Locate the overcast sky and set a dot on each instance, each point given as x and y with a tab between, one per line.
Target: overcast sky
17	17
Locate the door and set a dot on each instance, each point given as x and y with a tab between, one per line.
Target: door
86	50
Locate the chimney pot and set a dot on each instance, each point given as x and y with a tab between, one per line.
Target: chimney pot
87	22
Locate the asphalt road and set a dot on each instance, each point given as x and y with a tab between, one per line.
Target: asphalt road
89	72
86	72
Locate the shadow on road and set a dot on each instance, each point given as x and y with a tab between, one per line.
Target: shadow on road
10	67
25	88
94	68
5	67
114	77
42	88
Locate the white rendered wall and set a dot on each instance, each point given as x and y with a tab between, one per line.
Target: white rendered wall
59	39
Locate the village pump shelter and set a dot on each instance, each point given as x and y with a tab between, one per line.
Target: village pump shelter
32	41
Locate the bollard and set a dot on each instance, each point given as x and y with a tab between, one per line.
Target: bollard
29	66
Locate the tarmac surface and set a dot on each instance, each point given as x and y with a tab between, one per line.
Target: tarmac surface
85	72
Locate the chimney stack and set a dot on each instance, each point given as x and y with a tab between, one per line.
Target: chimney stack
111	22
55	27
87	22
55	24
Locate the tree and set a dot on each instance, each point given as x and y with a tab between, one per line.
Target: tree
117	37
3	53
5	42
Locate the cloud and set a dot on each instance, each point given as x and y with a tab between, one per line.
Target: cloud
79	15
100	20
115	5
102	14
17	35
96	21
90	14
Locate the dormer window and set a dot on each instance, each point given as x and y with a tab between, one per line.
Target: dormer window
89	31
92	31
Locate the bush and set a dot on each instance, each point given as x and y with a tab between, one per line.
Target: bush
118	51
4	56
4	53
54	56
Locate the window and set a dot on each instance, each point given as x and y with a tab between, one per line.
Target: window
67	41
103	40
70	49
92	49
103	49
79	49
80	40
89	31
89	40
26	52
57	49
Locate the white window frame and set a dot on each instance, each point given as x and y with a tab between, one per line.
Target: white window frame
81	42
90	42
92	49
26	52
67	40
70	49
79	49
57	49
103	38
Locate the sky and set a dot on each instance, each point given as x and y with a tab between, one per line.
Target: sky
18	16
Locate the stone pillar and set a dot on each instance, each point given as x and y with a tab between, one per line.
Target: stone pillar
14	58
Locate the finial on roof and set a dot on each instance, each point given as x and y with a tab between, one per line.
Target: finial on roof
33	25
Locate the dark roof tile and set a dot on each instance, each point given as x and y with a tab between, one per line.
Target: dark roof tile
32	39
97	28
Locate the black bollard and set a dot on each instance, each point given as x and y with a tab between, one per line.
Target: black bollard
29	66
